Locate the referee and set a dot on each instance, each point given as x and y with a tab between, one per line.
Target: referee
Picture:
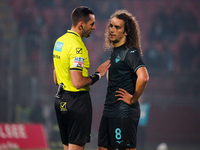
71	62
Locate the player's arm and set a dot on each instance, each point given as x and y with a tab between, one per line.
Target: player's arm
141	82
79	81
107	75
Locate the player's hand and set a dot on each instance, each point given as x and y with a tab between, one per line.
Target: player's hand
102	69
124	96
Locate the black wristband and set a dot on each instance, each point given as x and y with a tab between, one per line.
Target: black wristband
95	77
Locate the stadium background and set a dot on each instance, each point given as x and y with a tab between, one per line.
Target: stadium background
170	41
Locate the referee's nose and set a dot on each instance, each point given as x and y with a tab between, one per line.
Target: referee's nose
93	27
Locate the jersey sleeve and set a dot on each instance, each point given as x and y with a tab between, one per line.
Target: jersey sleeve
134	60
77	58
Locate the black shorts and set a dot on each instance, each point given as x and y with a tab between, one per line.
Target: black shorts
118	132
74	116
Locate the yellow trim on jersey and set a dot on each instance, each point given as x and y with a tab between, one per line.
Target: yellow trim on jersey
70	53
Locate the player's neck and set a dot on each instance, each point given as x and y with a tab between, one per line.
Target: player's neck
120	43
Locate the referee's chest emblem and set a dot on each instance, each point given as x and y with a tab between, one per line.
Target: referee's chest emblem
63	106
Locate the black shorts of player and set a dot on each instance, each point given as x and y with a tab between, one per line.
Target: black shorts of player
74	116
118	132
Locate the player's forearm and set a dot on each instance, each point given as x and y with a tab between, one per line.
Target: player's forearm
141	84
107	75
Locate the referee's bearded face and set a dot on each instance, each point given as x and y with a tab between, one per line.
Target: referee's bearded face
89	26
117	35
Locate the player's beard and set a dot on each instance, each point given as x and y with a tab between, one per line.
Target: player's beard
114	41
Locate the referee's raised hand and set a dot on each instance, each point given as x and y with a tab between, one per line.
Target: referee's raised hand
102	69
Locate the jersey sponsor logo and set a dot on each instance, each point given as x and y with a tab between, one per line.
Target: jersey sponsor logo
56	56
79	50
58	46
132	51
78	62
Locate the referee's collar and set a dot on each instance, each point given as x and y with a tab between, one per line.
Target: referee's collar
72	32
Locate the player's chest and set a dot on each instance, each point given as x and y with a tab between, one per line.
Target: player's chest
118	61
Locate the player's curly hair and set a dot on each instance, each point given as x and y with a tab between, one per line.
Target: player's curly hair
131	28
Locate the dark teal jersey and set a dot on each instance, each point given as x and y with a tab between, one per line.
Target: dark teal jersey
122	74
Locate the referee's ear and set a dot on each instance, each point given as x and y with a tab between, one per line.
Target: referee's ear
80	25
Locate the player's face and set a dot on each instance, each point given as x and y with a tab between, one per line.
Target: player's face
89	26
117	35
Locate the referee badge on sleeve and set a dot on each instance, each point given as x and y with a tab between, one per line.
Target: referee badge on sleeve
79	50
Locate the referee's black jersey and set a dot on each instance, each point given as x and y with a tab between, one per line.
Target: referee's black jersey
122	74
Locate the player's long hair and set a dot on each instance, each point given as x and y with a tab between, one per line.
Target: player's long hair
131	28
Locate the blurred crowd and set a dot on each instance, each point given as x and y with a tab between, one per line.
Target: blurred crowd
169	29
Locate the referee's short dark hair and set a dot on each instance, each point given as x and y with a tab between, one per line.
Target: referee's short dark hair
81	13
